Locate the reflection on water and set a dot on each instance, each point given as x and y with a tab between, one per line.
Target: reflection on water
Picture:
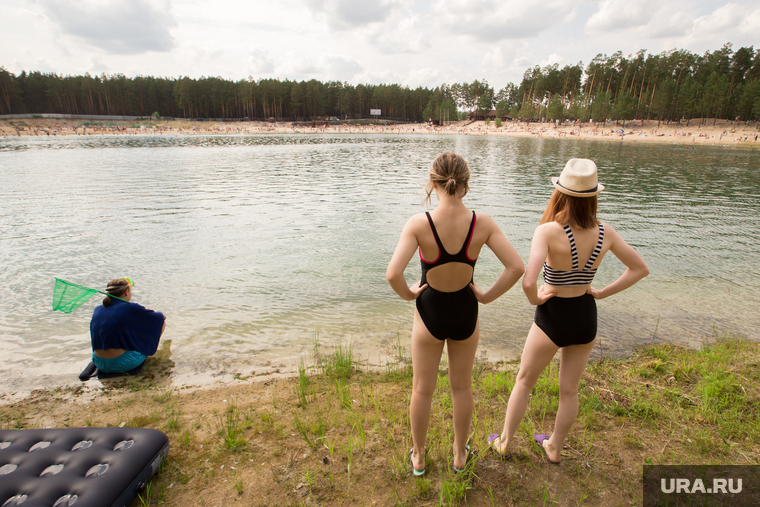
252	245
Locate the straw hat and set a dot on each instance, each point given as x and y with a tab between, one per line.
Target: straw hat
578	178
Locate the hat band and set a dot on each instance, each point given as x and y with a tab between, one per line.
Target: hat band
578	191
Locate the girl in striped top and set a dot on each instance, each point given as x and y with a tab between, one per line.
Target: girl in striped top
565	317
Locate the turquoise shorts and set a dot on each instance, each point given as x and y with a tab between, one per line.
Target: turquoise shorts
129	360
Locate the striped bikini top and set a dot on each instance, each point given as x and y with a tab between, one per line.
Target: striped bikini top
575	277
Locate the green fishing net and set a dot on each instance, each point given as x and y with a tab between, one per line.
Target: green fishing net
68	296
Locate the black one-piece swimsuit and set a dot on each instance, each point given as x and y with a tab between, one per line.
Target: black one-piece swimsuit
452	315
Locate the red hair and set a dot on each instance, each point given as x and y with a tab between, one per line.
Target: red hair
571	210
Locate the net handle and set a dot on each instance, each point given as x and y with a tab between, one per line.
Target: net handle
112	296
96	290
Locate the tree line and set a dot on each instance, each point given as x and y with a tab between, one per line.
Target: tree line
207	97
672	85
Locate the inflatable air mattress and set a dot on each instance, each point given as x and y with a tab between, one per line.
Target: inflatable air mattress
82	467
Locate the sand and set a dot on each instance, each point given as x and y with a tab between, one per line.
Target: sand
712	133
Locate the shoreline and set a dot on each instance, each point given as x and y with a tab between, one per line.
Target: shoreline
311	438
723	134
161	369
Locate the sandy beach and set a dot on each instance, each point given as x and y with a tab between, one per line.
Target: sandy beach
722	133
337	433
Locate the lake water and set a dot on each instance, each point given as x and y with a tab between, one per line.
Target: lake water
255	245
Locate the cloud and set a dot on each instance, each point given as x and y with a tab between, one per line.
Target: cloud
340	68
493	20
262	27
97	67
115	26
647	19
349	14
30	62
260	61
427	77
387	25
675	22
507	62
552	59
298	66
728	19
401	33
668	24
615	15
379	77
731	22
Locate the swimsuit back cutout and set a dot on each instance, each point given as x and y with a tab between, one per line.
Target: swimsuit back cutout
445	257
575	277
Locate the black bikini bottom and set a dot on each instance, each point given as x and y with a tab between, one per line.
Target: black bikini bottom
452	315
568	321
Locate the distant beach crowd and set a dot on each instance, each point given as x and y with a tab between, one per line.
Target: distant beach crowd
649	131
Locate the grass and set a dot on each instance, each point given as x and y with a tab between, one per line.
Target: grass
230	427
338	365
238	484
302	388
338	434
144	497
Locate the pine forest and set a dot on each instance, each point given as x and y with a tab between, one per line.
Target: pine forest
673	85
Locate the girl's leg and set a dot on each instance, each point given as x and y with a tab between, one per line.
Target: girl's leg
573	360
461	359
538	352
426	356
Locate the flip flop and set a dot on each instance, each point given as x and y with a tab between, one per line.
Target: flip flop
491	439
415	472
89	372
539	439
466	463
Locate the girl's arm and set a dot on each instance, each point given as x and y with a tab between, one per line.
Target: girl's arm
506	253
636	267
539	249
405	249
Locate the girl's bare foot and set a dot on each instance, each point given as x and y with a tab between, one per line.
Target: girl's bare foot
499	447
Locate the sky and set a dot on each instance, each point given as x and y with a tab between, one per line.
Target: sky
409	42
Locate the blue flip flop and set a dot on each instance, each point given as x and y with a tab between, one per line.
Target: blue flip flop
491	439
466	463
415	472
539	439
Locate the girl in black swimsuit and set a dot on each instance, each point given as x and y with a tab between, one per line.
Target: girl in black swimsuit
447	298
565	317
451	315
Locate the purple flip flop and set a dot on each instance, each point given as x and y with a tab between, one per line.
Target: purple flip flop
491	439
540	441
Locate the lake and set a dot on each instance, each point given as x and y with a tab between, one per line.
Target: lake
256	245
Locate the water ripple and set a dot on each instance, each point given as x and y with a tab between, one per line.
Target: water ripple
254	243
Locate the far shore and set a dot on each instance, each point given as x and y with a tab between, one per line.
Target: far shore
722	133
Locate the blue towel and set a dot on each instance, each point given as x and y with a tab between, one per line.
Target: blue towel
129	326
